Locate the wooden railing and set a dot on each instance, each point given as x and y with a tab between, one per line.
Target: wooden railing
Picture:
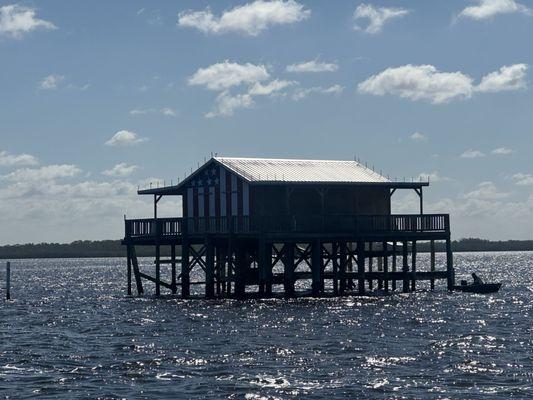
362	224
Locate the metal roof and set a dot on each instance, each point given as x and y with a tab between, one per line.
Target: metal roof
272	170
283	170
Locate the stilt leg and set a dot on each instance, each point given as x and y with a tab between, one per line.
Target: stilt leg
185	278
405	268
394	264
173	264
361	266
129	270
413	266
432	265
386	267
157	270
288	269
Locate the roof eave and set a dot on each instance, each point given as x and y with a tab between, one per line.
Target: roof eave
398	185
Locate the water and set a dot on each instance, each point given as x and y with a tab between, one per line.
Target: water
71	333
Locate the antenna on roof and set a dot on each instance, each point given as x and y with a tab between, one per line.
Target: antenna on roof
150	185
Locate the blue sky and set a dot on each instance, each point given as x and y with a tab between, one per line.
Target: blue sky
101	97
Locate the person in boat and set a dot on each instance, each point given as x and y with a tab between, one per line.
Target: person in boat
477	279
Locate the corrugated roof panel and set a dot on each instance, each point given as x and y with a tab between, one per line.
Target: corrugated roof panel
280	170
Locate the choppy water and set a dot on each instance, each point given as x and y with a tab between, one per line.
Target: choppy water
71	333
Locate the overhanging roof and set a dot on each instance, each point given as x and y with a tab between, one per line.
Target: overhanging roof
278	171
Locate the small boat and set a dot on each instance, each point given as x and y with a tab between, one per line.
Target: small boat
479	288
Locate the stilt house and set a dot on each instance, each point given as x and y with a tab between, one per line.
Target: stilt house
261	227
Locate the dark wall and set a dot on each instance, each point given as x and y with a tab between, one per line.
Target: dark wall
270	200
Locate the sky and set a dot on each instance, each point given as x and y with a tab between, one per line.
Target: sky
100	98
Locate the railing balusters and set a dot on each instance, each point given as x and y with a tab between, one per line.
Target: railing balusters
247	224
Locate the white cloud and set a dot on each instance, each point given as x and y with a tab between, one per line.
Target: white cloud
258	89
227	104
249	19
376	17
169	112
16	160
425	82
226	74
502	151
523	179
418	137
300	94
472	154
419	82
51	82
166	111
312	66
121	169
486	191
125	138
479	214
15	21
46	173
432	177
50	199
509	77
486	9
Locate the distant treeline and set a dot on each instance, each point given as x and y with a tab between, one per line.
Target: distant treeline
77	249
475	244
113	248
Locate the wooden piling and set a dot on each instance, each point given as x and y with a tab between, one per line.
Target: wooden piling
268	265
209	269
316	267
394	263
157	270
335	262
218	270
413	266
386	267
185	277
262	265
240	272
380	269
370	266
405	268
8	280
450	275
173	266
128	257
342	267
288	269
361	266
432	264
136	271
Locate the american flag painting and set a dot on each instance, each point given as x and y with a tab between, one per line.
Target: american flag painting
216	192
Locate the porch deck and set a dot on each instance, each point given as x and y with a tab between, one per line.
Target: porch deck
395	225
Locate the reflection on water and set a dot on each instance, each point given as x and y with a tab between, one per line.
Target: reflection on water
71	332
